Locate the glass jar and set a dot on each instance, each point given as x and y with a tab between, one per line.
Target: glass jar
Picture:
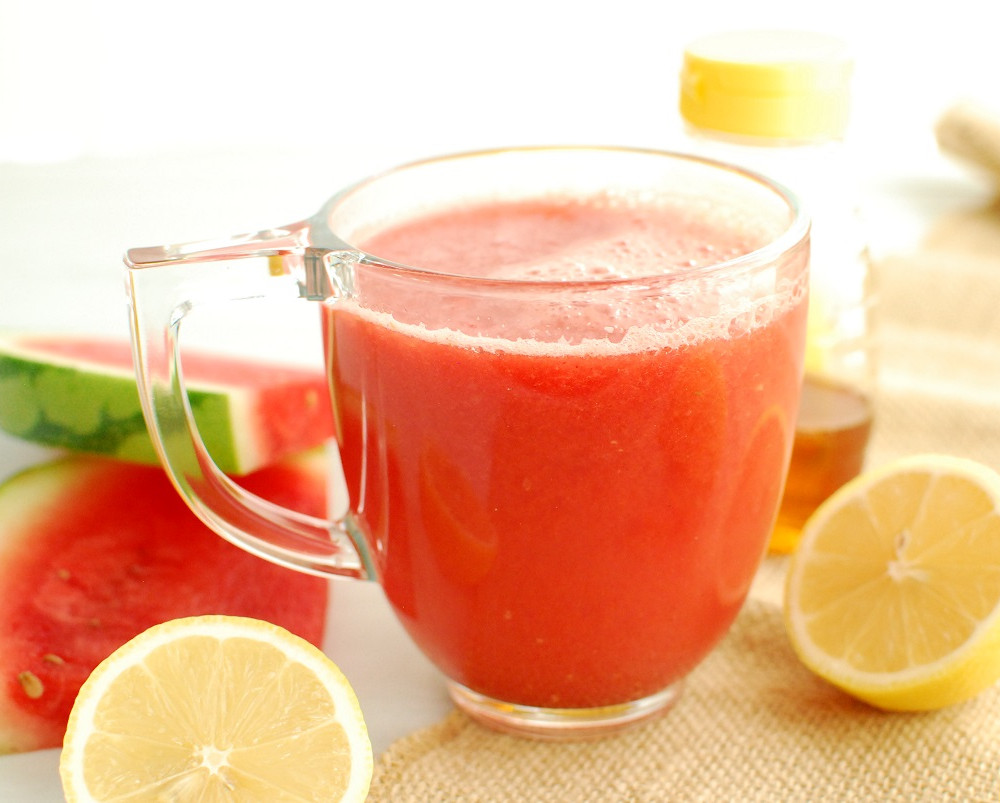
777	102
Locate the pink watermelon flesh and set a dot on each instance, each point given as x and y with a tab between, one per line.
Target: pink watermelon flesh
94	551
79	393
218	369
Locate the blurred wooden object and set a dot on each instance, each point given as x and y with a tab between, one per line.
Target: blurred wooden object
970	132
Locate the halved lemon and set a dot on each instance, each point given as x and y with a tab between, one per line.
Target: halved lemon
894	592
216	708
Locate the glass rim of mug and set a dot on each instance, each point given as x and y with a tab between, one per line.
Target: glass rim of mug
794	233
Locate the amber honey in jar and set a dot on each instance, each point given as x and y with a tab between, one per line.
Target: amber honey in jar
831	437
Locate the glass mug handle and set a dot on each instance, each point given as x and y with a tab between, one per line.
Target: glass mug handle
165	284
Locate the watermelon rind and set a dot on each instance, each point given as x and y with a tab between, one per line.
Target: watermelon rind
62	406
94	408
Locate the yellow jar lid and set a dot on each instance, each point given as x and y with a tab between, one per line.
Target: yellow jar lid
782	84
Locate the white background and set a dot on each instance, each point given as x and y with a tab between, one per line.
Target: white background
106	77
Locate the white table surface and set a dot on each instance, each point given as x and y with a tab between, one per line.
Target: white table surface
63	228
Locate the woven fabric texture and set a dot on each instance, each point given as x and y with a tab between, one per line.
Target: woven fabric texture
753	725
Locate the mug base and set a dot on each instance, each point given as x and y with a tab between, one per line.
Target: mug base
562	724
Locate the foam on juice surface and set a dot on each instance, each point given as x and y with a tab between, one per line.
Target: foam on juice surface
632	267
562	240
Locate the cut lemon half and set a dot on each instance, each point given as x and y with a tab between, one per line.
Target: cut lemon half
894	592
215	708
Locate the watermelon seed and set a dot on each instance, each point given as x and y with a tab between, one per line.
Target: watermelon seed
32	686
63	574
52	659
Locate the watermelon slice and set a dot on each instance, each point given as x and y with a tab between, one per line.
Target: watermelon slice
94	551
80	393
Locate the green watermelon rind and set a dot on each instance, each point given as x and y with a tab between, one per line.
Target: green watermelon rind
94	408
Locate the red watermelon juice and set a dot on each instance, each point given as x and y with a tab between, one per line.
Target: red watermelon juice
567	472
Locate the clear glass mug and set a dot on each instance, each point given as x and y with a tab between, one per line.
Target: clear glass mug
563	482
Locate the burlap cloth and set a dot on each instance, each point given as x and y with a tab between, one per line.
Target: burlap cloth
753	723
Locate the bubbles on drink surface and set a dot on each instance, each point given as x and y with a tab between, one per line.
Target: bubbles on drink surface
605	271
